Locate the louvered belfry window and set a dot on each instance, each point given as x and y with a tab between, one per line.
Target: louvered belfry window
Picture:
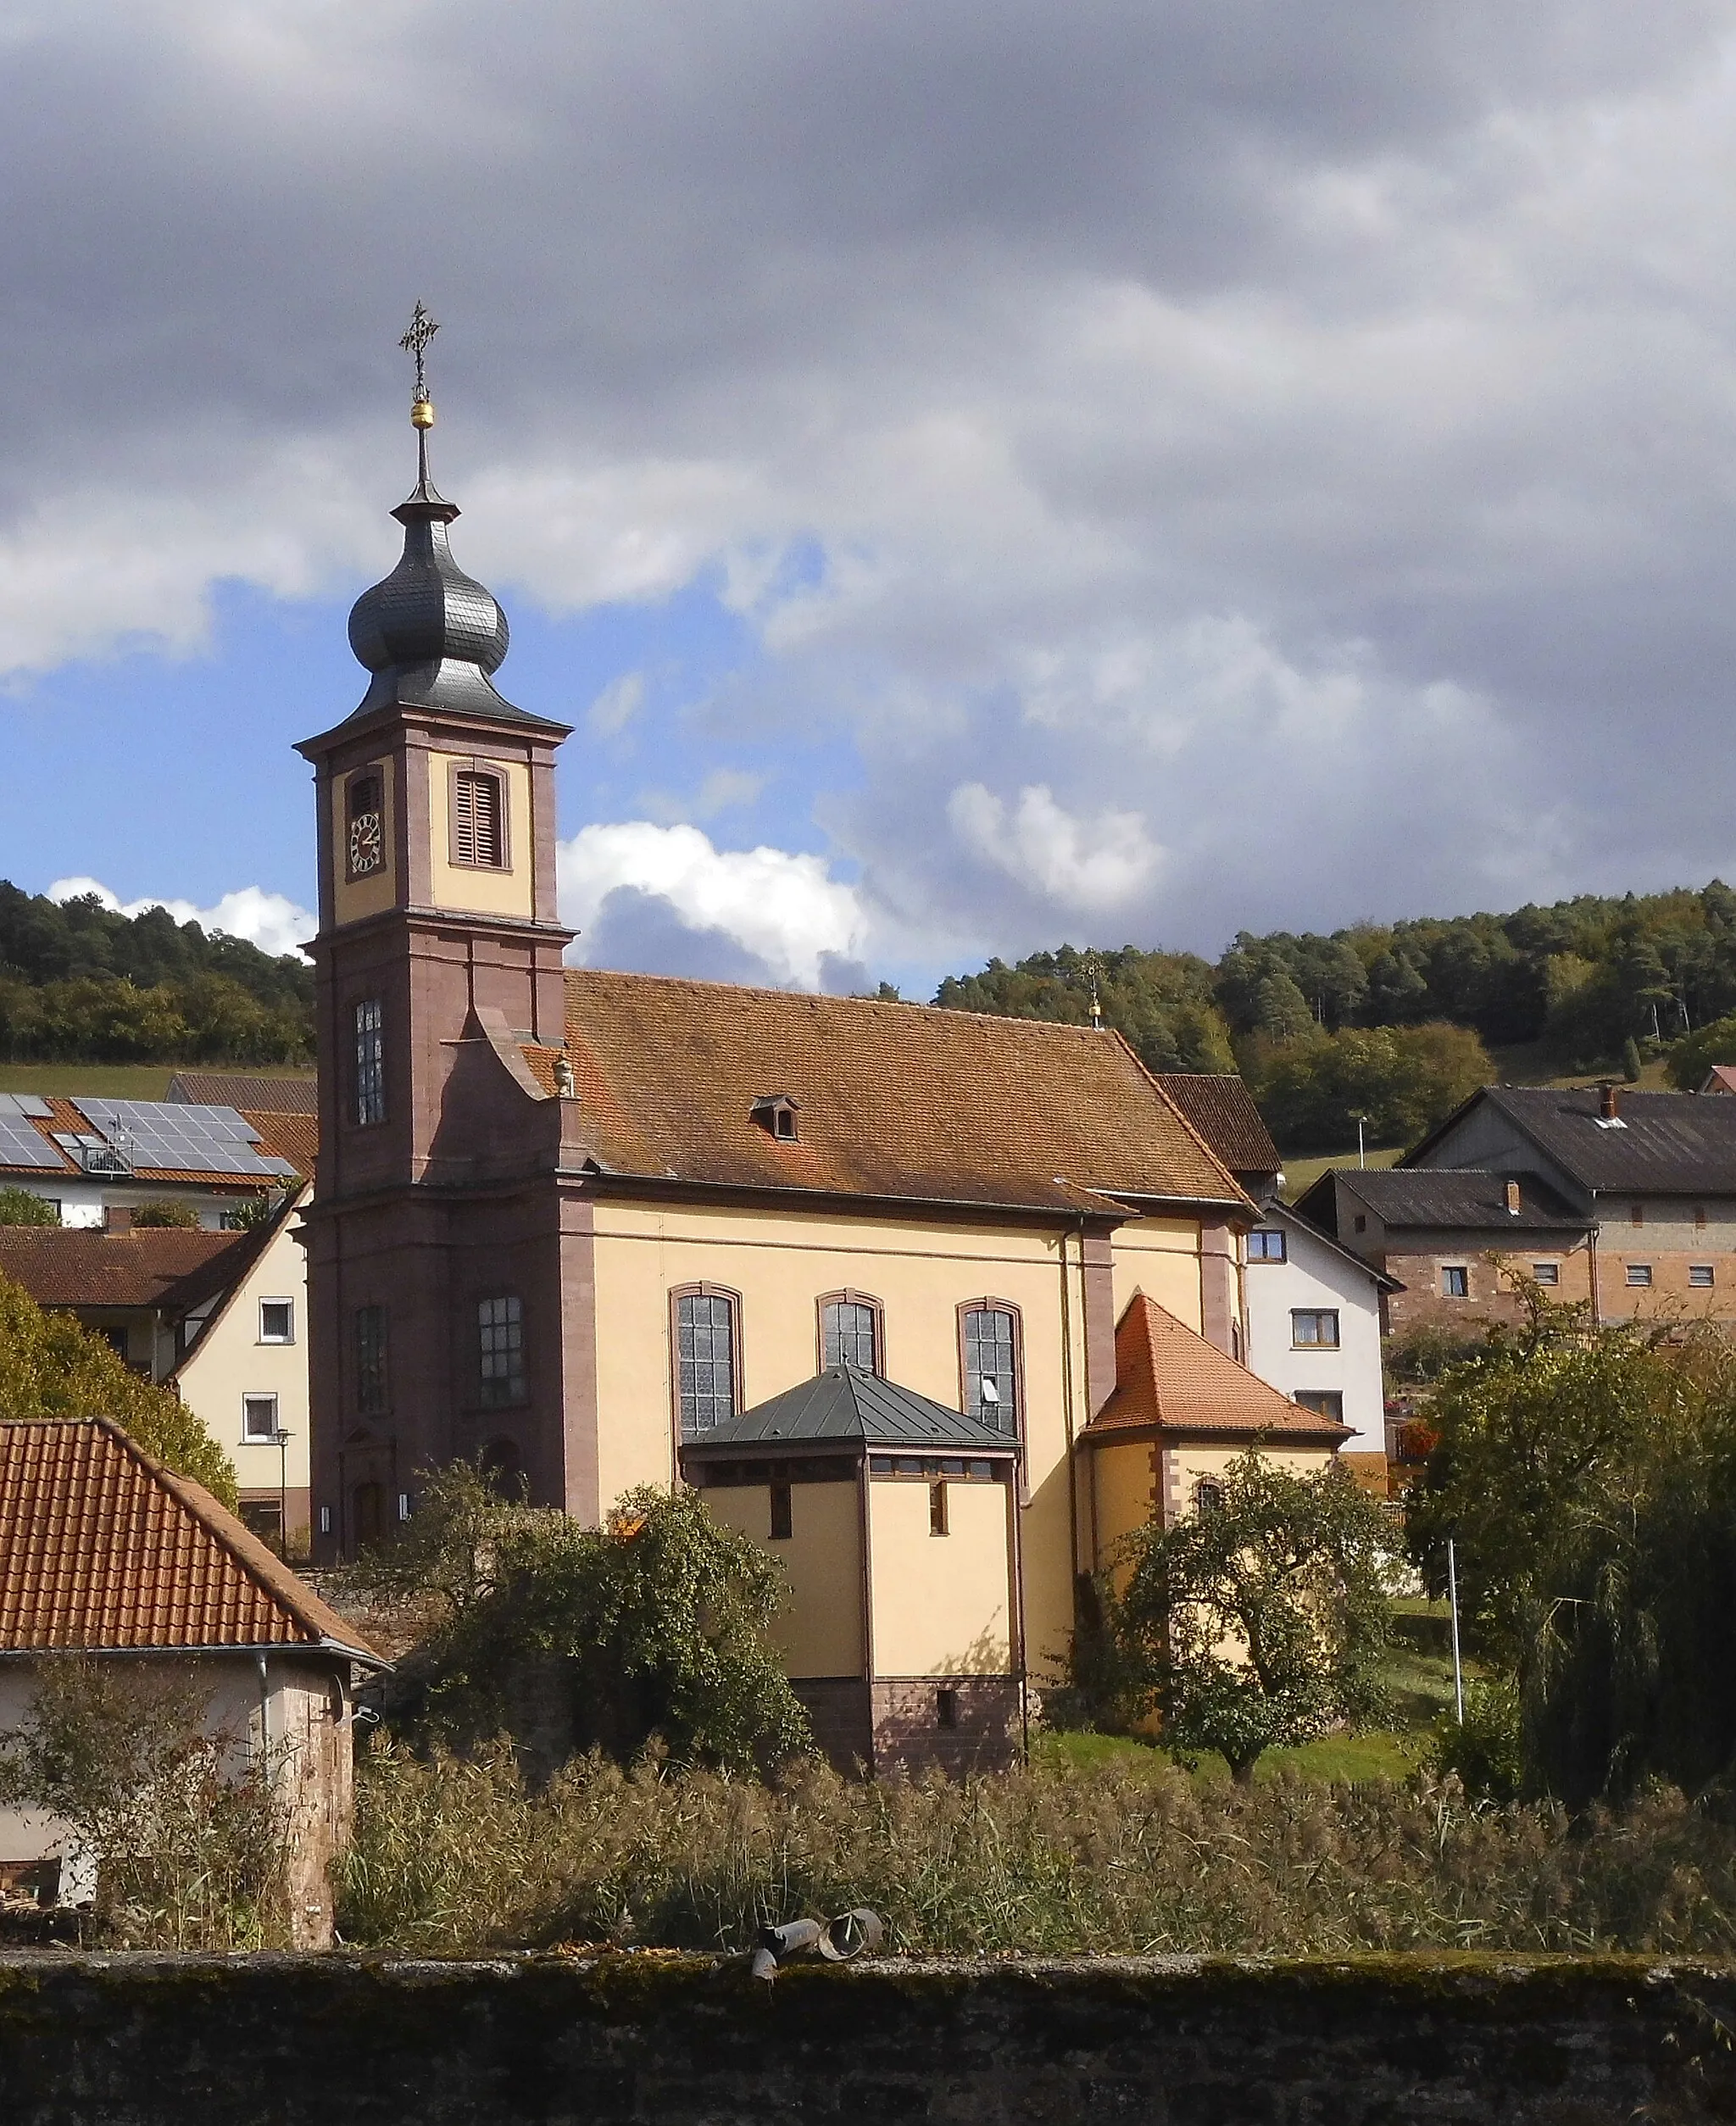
477	828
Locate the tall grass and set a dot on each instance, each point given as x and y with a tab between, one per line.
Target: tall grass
454	1855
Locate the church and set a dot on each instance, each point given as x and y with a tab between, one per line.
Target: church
935	1306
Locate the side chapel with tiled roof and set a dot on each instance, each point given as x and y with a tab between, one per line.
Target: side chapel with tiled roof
570	1222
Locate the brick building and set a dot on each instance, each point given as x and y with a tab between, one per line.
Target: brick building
1626	1200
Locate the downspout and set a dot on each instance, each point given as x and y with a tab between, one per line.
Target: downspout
1067	1396
1597	1304
264	1712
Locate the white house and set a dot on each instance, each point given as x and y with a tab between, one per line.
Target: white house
1314	1324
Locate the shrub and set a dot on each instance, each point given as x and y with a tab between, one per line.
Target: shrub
564	1636
161	1211
20	1207
188	1843
1487	1753
52	1366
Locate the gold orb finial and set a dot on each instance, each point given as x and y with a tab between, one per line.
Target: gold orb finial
422	413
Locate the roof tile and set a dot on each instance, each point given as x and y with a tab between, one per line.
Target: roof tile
1169	1379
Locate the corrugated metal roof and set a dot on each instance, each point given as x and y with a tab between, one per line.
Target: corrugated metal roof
844	1404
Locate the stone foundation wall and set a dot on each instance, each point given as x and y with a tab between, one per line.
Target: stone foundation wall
120	2040
908	1732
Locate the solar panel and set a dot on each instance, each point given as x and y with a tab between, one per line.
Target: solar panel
25	1104
22	1146
178	1137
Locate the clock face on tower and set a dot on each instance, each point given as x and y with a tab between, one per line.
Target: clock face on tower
364	817
367	844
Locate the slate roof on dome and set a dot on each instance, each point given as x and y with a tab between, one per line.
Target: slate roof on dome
901	1102
103	1548
1669	1143
845	1405
431	637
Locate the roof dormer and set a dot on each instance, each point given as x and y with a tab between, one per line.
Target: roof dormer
776	1113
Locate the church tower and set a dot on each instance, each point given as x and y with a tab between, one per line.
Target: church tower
438	953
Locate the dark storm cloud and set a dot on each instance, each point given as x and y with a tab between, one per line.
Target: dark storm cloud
1267	465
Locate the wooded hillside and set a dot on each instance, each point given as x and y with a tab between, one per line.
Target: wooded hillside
78	983
1394	1021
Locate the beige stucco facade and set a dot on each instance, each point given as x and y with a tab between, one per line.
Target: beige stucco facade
1132	1477
941	1605
233	1358
820	1632
506	891
780	1264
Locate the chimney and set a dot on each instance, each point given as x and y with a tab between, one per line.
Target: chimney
1512	1199
117	1217
1609	1101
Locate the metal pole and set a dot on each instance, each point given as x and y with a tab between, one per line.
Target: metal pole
1452	1598
1361	1156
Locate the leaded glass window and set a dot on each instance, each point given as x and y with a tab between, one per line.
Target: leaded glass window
849	1335
705	1359
991	1368
500	1329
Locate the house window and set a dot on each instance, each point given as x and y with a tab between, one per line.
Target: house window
371	1061
478	819
1546	1273
371	1361
1323	1402
364	822
1456	1282
775	1112
500	1336
1639	1273
258	1420
782	1527
1700	1217
991	1358
277	1321
1208	1497
1265	1245
1637	1214
263	1517
937	1509
116	1338
1315	1328
705	1359
1361	1221
946	1707
849	1332
1702	1276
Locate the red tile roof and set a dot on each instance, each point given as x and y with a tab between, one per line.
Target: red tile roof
245	1093
101	1547
1169	1379
73	1265
895	1101
1221	1109
295	1137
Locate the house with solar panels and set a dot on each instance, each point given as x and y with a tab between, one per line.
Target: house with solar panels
97	1160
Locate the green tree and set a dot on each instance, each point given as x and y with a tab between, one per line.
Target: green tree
52	1366
162	1211
652	1626
1692	1057
18	1207
1257	1621
1402	1080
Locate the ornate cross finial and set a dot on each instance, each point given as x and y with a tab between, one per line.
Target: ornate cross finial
1093	968
416	341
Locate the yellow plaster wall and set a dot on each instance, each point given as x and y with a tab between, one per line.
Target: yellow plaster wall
353	899
506	893
1160	1257
781	1263
1123	1488
1185	1465
941	1602
819	1632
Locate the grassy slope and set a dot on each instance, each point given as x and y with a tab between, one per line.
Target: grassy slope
1421	1684
115	1080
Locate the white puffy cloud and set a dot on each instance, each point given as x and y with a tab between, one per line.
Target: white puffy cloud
742	912
1082	866
272	921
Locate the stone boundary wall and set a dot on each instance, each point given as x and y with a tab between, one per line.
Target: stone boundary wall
345	2040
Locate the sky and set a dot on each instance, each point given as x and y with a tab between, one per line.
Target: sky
975	476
